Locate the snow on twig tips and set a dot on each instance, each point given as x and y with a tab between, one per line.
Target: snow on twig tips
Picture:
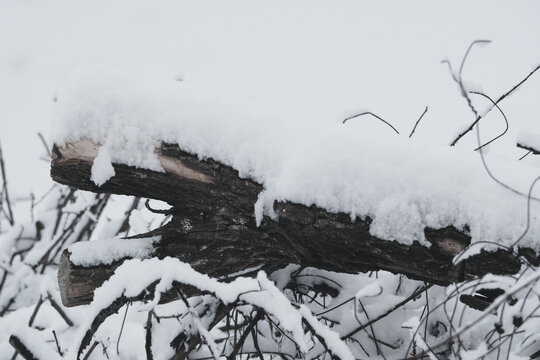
133	277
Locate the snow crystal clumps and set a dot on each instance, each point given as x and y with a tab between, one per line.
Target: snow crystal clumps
102	169
108	251
404	186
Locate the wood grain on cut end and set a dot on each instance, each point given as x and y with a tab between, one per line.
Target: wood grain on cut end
178	168
86	150
77	284
82	150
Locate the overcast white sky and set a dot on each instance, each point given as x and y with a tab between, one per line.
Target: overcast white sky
322	59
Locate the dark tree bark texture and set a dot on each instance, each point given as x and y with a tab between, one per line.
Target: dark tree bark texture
213	228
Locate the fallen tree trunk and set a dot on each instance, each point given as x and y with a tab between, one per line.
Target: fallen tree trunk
213	228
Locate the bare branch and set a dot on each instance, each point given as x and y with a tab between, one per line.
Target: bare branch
418	121
34	313
91	350
391	310
500	300
47	147
531	149
57	344
148	338
157	211
243	337
60	311
458	80
502	113
501	98
121	328
374	115
124	228
475	42
524	156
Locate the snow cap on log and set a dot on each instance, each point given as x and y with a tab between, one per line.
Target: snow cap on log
356	168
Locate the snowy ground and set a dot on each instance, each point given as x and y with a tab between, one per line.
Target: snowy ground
323	61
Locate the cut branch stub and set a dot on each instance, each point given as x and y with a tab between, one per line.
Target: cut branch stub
213	228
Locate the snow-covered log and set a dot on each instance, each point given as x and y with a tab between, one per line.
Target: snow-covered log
214	230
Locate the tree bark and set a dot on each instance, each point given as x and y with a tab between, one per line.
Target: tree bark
214	230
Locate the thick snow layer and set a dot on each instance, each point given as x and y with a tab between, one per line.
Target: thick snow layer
367	170
110	250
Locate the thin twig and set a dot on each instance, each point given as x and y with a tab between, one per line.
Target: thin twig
280	330
47	148
531	150
90	351
57	344
395	307
418	121
148	342
124	228
335	307
158	211
121	328
484	163
59	309
374	115
427	316
379	350
104	350
256	343
501	98
500	300
450	296
528	196
34	313
320	338
467	54
458	79
502	113
243	337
